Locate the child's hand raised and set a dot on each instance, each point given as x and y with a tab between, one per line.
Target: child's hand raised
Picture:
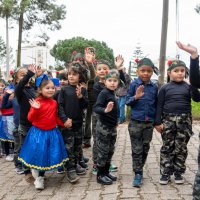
38	71
139	92
32	68
119	60
159	128
109	107
34	103
188	48
78	91
89	57
10	91
68	123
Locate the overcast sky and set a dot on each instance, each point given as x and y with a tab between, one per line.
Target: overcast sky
122	24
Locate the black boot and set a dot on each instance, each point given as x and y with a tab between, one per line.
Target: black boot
108	174
102	178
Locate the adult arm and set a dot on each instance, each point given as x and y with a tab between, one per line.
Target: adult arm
195	94
194	72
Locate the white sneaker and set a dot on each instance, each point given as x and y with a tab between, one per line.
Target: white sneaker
35	173
39	183
9	158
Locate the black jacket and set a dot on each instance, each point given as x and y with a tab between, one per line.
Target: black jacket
23	94
69	106
109	119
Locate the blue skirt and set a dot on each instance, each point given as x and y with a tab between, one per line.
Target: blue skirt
43	150
6	128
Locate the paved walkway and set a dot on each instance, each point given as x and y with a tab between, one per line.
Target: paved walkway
13	186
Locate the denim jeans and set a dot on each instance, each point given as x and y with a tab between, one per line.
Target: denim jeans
122	108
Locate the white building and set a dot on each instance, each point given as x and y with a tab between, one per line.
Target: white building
38	55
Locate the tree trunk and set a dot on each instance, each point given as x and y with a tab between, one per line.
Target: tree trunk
163	42
7	50
21	20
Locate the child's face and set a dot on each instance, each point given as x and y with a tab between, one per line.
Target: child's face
73	77
2	86
177	74
101	70
111	83
63	82
20	74
145	72
48	90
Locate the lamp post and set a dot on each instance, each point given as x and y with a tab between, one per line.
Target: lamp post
163	42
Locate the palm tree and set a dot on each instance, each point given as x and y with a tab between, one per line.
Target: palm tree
6	9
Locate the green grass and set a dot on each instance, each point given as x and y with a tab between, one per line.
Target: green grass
195	110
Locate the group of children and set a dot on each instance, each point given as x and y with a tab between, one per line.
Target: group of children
50	127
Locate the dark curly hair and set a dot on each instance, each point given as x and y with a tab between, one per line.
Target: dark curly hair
79	69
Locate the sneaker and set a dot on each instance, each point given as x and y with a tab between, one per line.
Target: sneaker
164	179
94	170
19	170
72	176
137	181
83	164
179	179
9	158
113	168
39	183
86	160
60	170
80	170
84	145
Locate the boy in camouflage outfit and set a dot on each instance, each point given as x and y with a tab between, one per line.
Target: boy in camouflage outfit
195	81
106	130
174	122
141	96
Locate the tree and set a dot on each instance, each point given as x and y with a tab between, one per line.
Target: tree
62	51
43	12
6	10
137	54
197	8
3	55
2	49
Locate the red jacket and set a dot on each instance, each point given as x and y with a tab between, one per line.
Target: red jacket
46	116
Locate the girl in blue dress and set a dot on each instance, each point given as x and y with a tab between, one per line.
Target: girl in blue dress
43	148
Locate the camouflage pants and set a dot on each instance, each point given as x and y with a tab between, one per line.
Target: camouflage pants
196	188
17	146
94	147
175	136
73	142
88	120
140	136
105	139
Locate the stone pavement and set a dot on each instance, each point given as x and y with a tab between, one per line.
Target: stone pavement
13	186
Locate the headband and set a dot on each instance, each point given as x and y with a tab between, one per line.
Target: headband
39	80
